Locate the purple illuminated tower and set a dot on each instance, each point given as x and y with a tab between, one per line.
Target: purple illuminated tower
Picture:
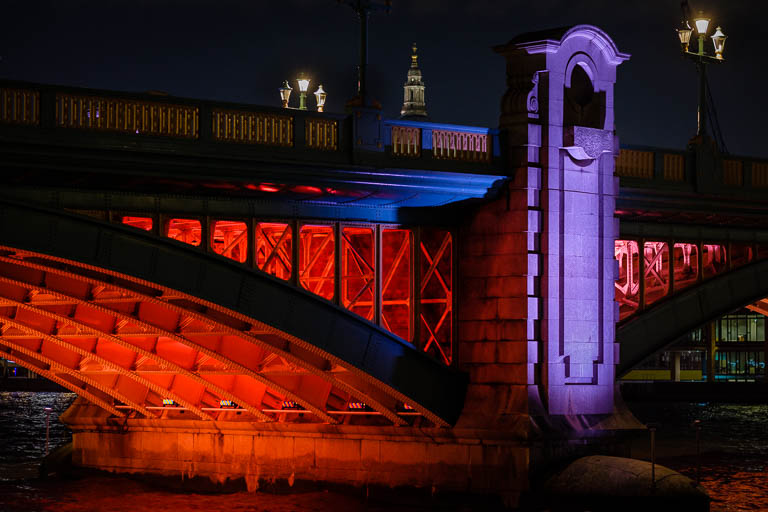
559	122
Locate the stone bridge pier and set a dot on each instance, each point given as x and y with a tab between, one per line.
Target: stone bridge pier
537	312
534	325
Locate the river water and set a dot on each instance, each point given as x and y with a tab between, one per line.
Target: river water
733	464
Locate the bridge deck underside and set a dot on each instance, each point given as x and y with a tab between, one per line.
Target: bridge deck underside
138	348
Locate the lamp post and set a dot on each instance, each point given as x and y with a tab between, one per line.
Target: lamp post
363	8
320	95
285	93
303	81
303	86
701	58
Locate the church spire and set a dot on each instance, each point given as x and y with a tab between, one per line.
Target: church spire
414	105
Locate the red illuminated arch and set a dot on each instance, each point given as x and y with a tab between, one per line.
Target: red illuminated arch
199	351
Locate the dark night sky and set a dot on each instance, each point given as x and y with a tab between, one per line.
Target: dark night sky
242	50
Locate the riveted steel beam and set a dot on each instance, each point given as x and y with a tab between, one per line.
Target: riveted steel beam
228	290
370	397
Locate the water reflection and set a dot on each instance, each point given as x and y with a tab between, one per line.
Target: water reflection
22	427
734	448
734	463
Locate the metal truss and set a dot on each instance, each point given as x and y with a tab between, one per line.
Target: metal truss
668	267
129	343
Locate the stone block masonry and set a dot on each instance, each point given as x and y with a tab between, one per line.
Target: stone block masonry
437	460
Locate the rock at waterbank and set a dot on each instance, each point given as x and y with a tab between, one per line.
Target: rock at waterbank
598	483
58	462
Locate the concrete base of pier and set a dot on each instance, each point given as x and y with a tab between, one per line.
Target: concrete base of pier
498	464
437	460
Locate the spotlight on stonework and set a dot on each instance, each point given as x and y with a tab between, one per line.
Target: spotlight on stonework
320	95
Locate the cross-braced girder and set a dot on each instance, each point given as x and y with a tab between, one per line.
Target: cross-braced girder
654	270
184	349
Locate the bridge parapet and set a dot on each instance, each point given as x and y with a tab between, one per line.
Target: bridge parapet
418	139
117	119
698	169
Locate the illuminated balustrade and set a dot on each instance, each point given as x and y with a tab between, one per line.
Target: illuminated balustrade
760	174
126	116
674	167
19	106
248	127
457	145
632	163
322	134
733	172
406	141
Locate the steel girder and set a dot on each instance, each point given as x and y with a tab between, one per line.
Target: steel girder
664	323
161	320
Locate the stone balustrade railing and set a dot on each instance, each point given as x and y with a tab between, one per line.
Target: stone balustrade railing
98	116
641	167
159	115
421	139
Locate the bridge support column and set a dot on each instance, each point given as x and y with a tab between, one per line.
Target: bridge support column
536	314
557	119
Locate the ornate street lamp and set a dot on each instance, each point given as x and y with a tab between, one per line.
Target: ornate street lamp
718	39
303	86
320	95
702	24
285	93
684	33
701	58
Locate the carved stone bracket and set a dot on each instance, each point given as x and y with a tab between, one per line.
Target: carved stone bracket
587	143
